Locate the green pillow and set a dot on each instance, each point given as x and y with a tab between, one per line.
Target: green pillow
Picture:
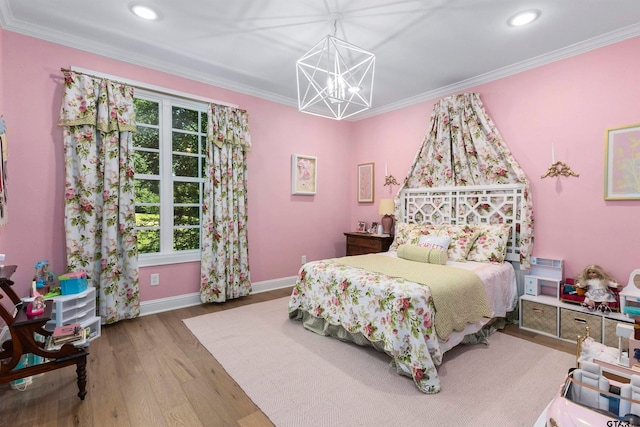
422	254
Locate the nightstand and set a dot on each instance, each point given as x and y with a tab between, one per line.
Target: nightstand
364	243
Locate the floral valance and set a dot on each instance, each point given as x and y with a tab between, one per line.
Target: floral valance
228	125
103	103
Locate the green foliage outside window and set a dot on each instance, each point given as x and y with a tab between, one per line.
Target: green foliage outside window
187	134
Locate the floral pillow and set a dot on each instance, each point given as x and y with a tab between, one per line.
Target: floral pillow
462	239
409	234
491	244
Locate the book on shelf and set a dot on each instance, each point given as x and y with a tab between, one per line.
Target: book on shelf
78	340
66	333
66	330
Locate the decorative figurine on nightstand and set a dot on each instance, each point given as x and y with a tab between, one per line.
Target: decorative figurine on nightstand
598	284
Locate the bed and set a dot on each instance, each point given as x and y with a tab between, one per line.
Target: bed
418	301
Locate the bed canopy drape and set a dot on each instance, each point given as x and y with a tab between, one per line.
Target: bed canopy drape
464	147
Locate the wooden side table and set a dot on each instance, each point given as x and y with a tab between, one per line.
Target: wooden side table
23	329
365	243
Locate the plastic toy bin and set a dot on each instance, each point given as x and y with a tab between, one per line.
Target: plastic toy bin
73	283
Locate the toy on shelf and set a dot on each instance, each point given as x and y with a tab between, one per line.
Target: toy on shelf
44	278
575	291
35	307
630	296
544	277
598	284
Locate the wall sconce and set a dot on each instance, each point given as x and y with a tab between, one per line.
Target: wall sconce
389	179
558	168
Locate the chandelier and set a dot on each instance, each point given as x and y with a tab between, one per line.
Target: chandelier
335	79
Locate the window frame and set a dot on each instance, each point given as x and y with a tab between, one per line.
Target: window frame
166	103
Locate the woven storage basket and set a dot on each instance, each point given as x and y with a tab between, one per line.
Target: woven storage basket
610	337
540	317
570	329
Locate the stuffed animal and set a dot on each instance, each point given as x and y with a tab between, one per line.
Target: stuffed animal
598	284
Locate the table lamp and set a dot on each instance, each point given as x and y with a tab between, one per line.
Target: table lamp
386	208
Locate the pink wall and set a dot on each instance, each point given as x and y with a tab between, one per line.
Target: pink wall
282	227
570	104
1	79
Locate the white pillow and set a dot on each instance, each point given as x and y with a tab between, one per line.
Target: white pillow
434	242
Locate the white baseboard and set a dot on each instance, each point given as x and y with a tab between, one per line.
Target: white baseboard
189	300
272	285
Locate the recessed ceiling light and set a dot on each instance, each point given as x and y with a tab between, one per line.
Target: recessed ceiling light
144	12
523	18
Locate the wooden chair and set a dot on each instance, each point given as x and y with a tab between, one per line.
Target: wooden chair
23	329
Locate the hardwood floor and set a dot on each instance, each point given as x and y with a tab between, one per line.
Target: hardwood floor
152	372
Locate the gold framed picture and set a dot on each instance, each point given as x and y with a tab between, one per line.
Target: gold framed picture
365	182
622	163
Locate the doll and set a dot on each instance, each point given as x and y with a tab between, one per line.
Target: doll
598	284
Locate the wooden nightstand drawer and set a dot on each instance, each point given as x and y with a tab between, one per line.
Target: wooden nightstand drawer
361	244
539	317
570	329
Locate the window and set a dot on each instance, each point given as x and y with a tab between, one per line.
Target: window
169	150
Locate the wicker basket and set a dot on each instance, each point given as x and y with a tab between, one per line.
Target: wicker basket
539	317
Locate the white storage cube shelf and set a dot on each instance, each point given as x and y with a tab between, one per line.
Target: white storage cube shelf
544	277
76	308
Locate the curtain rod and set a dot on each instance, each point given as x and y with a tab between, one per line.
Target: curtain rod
145	86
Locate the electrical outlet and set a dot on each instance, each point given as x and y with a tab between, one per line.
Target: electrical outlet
304	259
155	279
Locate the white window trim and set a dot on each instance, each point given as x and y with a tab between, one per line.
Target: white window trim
166	209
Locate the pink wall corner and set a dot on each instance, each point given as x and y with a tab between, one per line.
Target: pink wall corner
282	227
390	140
569	104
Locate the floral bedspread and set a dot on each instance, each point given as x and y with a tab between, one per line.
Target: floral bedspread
395	312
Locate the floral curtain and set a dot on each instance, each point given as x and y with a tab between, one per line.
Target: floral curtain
98	119
225	255
464	147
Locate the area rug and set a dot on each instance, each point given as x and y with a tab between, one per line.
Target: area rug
299	378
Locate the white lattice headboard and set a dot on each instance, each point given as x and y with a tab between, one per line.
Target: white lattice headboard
467	205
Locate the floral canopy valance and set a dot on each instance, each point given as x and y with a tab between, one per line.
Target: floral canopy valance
464	147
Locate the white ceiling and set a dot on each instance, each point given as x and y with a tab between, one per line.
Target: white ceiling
424	48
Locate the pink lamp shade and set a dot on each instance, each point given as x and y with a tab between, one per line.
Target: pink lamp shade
386	208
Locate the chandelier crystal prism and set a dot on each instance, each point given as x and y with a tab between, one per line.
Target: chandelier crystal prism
335	79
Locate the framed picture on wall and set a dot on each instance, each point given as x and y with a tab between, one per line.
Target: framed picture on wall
304	174
365	183
622	163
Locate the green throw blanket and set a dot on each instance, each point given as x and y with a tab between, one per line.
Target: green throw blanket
458	294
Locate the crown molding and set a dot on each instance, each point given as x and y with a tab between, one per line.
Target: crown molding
548	58
8	23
